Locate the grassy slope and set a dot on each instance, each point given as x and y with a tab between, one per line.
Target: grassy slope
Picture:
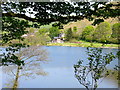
83	23
79	24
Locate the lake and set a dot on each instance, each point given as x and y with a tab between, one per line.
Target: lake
59	70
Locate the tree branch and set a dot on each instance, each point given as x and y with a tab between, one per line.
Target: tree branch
59	18
11	14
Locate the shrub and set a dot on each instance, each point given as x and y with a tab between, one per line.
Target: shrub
116	30
69	34
102	32
87	33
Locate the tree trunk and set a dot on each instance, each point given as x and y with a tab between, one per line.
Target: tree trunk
16	79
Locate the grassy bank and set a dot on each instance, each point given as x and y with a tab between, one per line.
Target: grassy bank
84	44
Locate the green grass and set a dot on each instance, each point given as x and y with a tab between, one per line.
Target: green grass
84	44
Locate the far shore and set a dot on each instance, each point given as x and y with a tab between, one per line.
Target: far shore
85	44
80	43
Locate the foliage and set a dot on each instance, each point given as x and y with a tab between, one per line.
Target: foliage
102	32
113	40
74	29
31	30
14	29
96	68
73	40
58	11
43	31
87	33
116	30
37	39
75	33
54	32
58	24
69	34
33	56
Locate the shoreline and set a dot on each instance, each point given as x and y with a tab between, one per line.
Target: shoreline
81	43
99	45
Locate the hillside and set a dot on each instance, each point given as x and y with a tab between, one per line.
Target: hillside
83	23
79	24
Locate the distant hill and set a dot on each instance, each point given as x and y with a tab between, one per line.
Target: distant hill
79	24
83	23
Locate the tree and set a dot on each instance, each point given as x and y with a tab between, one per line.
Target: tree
115	30
54	32
31	30
87	33
115	34
103	32
96	69
14	29
32	56
43	31
74	29
69	34
37	39
75	33
58	11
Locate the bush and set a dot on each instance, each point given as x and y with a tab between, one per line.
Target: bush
113	40
37	39
43	31
54	32
69	34
73	40
102	32
31	30
116	30
87	33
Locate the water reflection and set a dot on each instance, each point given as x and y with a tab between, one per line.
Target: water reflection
32	56
60	69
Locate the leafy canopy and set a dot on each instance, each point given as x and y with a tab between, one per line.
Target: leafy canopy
69	34
54	32
116	30
103	32
88	32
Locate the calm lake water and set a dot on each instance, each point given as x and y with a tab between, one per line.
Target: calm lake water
59	69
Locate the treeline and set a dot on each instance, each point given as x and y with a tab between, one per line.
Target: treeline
103	33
